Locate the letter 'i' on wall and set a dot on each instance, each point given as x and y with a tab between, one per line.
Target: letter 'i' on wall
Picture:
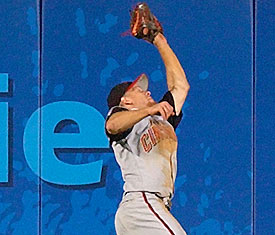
4	89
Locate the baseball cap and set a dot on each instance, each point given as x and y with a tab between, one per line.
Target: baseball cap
119	90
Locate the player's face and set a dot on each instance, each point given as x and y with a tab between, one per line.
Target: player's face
140	98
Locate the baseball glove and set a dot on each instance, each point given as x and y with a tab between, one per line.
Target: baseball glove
144	25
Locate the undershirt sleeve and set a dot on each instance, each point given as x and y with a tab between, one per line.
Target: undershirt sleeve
173	120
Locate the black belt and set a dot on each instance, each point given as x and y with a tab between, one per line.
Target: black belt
166	200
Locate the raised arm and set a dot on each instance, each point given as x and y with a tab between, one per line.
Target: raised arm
176	79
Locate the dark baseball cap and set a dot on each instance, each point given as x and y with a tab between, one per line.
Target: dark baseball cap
119	90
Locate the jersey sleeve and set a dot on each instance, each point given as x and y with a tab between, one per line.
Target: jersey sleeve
173	120
120	135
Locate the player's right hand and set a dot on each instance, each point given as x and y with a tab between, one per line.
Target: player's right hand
163	108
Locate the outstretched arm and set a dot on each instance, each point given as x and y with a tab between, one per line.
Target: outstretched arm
176	79
122	121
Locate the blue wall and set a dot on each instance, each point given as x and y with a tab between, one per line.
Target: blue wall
265	128
58	175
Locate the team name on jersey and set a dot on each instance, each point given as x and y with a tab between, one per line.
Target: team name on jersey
157	131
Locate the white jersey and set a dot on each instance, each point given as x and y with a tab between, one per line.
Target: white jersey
147	153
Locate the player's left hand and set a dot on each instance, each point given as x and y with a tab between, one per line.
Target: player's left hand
163	108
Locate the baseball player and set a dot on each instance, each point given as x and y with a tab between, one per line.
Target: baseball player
142	135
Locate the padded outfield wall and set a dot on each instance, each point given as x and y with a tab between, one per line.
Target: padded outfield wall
58	61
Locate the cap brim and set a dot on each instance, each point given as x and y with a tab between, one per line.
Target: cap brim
141	81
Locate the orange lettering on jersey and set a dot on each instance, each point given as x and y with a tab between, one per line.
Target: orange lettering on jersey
152	136
157	132
145	141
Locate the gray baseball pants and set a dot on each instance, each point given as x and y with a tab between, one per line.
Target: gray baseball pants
142	213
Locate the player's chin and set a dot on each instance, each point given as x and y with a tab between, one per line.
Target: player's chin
151	102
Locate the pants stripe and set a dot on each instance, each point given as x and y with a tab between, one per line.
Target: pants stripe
156	214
